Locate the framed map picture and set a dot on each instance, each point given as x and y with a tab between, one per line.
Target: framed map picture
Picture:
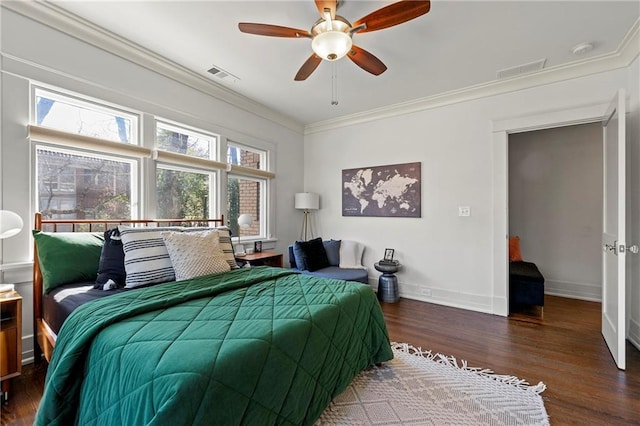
389	191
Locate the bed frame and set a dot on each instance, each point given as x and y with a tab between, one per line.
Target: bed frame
44	337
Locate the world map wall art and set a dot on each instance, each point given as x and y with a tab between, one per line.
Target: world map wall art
389	191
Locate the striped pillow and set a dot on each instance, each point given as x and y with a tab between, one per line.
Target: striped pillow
146	259
224	236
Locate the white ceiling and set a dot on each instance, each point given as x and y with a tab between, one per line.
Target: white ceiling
456	45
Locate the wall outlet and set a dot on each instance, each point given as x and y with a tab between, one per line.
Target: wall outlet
464	211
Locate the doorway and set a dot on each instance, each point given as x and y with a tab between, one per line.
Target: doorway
555	206
499	151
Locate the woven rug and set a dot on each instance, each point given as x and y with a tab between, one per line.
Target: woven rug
421	388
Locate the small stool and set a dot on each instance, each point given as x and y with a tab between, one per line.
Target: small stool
387	283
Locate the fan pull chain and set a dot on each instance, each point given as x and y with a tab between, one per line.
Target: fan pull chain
334	83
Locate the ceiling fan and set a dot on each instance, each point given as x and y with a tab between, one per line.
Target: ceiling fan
331	36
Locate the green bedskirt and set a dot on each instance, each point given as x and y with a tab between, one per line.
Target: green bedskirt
252	346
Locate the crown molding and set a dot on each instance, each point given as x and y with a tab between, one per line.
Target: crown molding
61	20
627	52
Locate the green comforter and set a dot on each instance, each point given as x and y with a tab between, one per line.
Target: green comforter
251	346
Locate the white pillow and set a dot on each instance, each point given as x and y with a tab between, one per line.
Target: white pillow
195	254
224	237
146	259
351	254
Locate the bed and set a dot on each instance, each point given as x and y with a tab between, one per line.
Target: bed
256	345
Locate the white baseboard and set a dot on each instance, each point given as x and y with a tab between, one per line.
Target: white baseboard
633	334
590	291
27	349
471	302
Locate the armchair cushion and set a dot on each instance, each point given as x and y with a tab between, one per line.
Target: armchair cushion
351	254
332	247
313	254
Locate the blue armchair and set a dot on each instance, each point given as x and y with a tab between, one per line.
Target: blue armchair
333	249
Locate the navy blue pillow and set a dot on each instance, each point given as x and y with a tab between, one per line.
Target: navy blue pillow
111	266
298	255
332	247
314	254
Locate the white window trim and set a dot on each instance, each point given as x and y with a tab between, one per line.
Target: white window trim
74	140
90	103
188	130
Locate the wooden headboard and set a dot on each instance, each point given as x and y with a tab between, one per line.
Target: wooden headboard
44	338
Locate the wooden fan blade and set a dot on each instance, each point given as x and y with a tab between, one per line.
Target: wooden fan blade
394	14
332	5
272	30
366	60
308	67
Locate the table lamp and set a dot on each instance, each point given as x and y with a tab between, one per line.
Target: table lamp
10	225
244	222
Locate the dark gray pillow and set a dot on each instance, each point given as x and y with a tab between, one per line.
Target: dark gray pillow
332	247
315	256
111	272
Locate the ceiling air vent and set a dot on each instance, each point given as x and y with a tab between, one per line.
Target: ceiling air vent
223	75
521	69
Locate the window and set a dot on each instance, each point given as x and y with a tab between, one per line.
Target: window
183	194
91	162
247	185
246	157
182	141
76	186
246	196
80	117
185	188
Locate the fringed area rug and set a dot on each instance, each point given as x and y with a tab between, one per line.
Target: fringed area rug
421	388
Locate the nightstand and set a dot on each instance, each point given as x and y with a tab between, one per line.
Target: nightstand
267	258
10	339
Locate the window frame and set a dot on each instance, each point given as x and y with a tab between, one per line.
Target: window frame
87	103
262	205
214	143
143	151
214	178
136	165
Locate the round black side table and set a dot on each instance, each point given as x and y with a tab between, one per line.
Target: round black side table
387	283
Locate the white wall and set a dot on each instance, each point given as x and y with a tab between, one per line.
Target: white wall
32	52
633	204
555	206
449	256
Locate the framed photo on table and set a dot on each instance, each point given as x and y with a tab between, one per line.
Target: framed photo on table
388	254
257	247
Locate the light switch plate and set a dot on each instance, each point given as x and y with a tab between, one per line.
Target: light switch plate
464	211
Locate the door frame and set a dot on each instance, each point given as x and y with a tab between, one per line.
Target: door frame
501	129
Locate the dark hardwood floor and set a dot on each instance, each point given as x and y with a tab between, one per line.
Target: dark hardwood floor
564	350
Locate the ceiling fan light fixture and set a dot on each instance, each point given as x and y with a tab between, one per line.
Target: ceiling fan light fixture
331	45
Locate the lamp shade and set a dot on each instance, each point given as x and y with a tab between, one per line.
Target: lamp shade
245	220
307	201
10	224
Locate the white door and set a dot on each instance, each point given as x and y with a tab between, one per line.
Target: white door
613	230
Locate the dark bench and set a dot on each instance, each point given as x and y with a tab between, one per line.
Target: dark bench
526	284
